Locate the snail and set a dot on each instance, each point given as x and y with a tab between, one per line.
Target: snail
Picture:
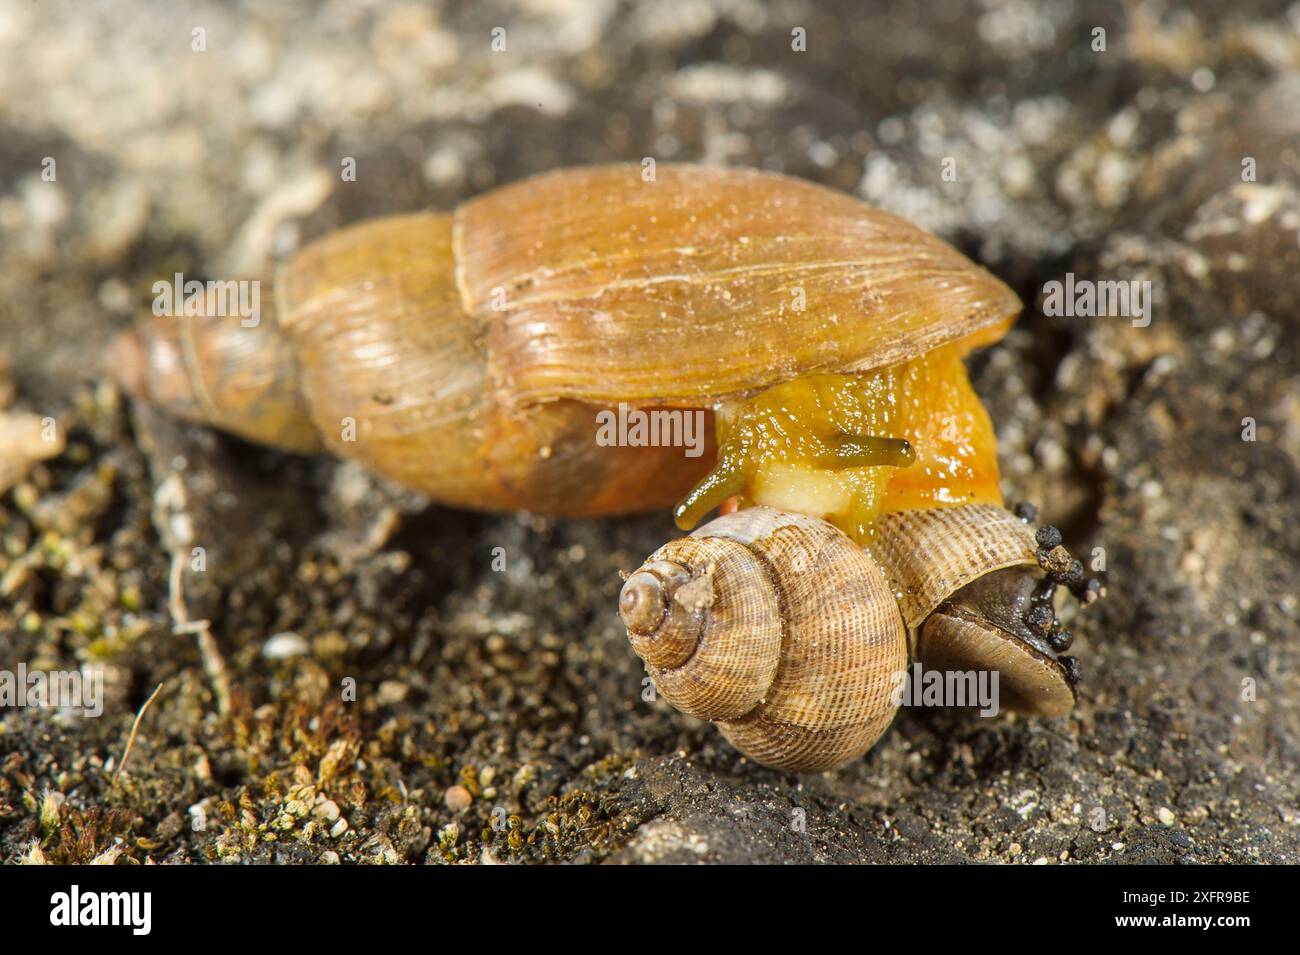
794	640
470	356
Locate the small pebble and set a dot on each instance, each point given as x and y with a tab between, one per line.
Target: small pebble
1040	619
1057	561
458	798
1048	537
282	646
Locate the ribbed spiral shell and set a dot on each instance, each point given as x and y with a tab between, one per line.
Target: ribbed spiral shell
930	556
797	638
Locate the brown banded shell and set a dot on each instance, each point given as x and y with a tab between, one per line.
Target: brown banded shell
963	577
778	628
931	554
793	640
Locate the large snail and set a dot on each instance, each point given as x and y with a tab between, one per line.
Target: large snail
471	355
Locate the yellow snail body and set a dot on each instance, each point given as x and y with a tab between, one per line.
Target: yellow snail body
470	355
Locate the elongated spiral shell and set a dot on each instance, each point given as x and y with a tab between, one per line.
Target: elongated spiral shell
778	628
468	355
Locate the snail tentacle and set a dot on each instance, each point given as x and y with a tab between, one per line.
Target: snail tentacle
866	451
727	479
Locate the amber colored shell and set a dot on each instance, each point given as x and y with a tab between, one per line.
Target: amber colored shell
683	290
243	379
467	355
374	315
368	352
798	639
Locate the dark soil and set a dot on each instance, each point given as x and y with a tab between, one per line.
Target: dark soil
519	685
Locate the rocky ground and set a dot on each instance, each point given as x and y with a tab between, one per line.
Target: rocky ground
1173	155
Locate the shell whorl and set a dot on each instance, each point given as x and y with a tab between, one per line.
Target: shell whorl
661	623
931	554
964	578
796	636
704	615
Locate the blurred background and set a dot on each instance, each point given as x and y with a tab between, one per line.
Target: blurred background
1106	139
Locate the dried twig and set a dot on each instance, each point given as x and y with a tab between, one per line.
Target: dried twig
130	742
213	663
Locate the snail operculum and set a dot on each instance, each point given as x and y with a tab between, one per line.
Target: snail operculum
985	626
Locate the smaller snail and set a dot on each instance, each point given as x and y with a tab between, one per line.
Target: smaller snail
778	628
793	639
